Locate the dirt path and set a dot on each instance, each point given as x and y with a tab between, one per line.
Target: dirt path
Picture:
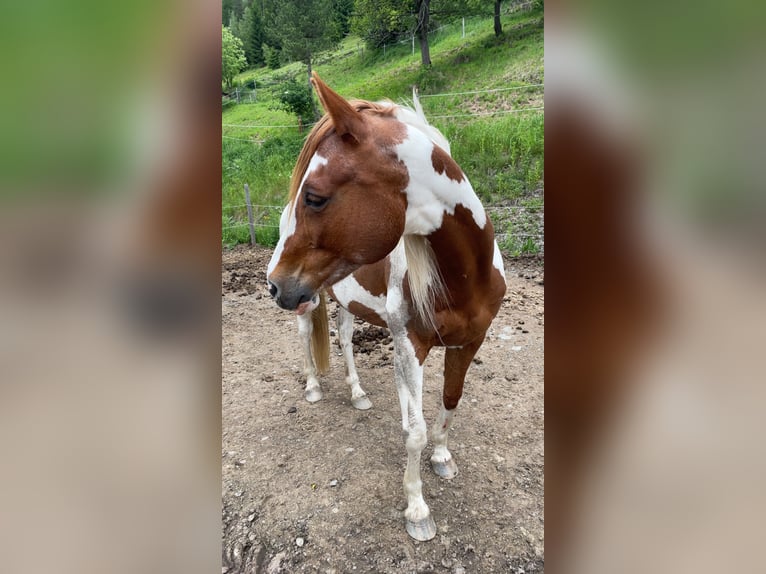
318	488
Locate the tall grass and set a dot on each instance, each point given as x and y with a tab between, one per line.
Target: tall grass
266	168
501	155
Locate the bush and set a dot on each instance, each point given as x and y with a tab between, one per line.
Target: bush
296	98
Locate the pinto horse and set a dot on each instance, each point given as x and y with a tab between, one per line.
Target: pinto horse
382	218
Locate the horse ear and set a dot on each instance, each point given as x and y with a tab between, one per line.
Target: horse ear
349	123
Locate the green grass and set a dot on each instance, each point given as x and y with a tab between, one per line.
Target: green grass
501	154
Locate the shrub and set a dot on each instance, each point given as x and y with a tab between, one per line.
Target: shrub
296	98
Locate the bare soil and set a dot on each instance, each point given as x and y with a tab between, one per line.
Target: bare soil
318	487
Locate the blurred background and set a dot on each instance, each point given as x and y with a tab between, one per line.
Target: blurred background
110	241
109	286
655	260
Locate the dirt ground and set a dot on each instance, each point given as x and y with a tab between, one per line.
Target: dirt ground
318	487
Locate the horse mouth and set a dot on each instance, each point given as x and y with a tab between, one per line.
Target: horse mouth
307	306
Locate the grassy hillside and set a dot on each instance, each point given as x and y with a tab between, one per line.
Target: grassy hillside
499	148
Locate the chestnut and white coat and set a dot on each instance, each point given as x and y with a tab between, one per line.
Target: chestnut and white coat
382	218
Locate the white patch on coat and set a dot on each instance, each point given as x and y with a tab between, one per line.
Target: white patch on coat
396	305
288	222
430	194
417	119
497	262
349	289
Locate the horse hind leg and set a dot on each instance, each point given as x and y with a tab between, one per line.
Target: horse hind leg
313	392
456	363
345	334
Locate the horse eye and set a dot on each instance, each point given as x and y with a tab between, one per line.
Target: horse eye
315	201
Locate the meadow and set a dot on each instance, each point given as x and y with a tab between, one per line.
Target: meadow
483	92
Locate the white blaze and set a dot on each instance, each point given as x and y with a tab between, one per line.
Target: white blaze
287	221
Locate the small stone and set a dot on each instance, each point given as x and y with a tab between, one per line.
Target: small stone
251	517
299	542
292	410
333	482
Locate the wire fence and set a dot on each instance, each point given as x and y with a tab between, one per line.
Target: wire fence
525	223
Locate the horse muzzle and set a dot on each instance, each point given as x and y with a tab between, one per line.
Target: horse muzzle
293	296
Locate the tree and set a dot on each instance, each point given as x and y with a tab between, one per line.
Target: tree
253	36
381	22
341	14
233	56
304	28
498	24
424	13
231	10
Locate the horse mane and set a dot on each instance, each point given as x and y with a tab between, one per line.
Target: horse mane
425	281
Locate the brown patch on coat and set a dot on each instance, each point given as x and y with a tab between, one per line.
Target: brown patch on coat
443	162
366	314
373	277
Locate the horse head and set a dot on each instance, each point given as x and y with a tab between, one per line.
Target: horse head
346	207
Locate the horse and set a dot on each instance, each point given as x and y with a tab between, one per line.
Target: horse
380	217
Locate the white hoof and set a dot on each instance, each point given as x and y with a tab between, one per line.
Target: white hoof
422	530
313	395
362	403
446	469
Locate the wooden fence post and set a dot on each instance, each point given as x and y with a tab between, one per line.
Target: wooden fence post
250	214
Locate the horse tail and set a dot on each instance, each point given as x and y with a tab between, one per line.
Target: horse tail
320	336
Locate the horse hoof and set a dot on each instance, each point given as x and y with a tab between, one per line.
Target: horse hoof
313	395
422	530
446	469
362	403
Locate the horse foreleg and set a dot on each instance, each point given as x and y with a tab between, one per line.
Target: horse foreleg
313	391
456	363
345	334
409	385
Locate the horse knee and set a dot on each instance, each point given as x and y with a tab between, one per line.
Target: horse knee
416	437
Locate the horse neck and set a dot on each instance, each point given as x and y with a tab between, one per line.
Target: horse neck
442	206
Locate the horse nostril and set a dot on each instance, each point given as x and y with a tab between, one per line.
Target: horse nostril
273	289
